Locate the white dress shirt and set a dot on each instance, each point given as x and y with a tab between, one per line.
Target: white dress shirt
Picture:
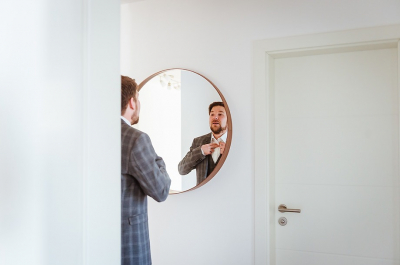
125	120
217	151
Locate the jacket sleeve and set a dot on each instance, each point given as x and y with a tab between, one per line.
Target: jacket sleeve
149	169
191	159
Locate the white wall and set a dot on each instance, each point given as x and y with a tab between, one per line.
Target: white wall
214	224
59	100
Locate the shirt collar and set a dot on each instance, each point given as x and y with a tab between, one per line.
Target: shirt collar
125	120
223	137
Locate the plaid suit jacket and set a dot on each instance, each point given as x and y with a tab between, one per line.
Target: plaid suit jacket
195	159
142	173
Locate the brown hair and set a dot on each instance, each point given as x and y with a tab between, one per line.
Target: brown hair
212	105
128	91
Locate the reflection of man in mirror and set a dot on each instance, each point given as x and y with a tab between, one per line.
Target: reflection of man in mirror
206	150
143	174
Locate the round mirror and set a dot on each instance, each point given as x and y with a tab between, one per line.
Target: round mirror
189	124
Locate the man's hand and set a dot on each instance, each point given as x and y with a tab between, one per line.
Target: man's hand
222	146
209	148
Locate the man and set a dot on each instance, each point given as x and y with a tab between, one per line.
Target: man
142	173
206	150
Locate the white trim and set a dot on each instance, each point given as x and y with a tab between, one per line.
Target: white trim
85	120
397	189
264	52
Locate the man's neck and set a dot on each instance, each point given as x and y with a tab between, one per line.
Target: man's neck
128	118
216	136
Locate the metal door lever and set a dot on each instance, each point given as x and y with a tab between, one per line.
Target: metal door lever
282	208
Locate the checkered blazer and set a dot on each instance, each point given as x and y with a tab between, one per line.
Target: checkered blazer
142	173
195	159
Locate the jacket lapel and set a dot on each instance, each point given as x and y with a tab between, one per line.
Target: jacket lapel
206	139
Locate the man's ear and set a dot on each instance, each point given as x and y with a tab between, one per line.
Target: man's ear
132	104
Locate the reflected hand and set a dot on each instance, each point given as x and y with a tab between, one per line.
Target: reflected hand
209	148
222	146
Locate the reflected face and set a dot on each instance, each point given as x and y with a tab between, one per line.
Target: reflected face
218	120
135	114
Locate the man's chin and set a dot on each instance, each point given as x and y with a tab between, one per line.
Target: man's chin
216	131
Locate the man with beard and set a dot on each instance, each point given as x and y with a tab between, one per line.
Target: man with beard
143	174
206	150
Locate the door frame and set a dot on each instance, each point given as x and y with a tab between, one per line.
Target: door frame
264	54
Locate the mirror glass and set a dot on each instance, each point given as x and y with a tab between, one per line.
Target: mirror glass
175	111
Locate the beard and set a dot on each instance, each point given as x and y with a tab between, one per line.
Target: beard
135	118
217	130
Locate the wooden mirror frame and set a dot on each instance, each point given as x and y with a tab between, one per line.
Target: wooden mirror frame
228	140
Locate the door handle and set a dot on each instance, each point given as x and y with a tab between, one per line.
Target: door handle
283	209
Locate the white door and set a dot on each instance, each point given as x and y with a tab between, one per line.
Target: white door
336	157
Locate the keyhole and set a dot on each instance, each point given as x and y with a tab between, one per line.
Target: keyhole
282	221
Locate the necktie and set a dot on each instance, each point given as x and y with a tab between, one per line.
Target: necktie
217	151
